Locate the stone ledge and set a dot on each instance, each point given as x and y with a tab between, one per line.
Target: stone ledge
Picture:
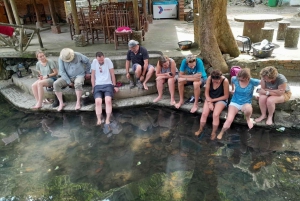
24	101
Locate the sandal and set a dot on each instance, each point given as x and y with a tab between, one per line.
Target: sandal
106	129
48	101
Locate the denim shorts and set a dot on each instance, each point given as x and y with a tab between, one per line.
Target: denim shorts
239	107
101	91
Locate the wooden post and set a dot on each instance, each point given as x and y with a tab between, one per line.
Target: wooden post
144	5
15	12
136	15
282	26
267	33
39	24
54	28
74	16
8	9
292	36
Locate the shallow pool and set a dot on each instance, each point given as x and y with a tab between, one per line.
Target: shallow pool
149	154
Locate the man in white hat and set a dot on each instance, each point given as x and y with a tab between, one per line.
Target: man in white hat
139	58
74	67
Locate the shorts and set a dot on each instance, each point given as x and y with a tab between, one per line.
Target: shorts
203	82
135	65
101	91
50	81
223	102
287	95
239	107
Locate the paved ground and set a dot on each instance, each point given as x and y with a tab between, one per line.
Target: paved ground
164	34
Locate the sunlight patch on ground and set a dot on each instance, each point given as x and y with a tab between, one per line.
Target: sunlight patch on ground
185	33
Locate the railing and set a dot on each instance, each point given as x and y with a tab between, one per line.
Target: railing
16	42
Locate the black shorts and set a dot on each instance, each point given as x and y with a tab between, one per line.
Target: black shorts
101	91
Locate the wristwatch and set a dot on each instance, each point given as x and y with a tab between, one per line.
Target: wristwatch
48	76
267	93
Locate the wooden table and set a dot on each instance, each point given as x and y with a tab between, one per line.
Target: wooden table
254	23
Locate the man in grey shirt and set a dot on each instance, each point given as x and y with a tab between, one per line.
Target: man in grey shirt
74	68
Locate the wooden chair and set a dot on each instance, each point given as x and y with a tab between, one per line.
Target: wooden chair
83	28
71	25
110	18
122	19
97	26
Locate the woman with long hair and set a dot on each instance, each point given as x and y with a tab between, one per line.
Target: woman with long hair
216	98
166	71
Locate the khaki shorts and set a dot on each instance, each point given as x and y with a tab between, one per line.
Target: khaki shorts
287	95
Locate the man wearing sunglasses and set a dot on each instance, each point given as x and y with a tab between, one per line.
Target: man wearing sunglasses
192	72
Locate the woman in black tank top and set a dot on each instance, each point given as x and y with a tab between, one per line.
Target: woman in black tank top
216	96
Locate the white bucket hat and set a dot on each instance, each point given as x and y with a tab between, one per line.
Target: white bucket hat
67	54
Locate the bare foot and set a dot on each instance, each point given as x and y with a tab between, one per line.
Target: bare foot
259	119
145	86
60	107
269	121
78	106
177	105
194	108
213	136
36	107
172	102
99	121
220	135
250	123
197	133
157	99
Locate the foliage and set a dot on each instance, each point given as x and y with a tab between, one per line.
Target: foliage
61	188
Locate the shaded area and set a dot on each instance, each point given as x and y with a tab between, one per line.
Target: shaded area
154	156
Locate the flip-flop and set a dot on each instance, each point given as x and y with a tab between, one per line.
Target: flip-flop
48	101
106	129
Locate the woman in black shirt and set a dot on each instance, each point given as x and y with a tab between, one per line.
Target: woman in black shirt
216	97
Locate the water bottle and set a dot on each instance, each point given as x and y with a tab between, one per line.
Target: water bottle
263	44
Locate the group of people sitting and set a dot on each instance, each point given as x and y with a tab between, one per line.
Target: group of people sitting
75	68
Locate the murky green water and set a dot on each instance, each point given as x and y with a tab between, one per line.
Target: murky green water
150	155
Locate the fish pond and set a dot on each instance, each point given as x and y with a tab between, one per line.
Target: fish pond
150	154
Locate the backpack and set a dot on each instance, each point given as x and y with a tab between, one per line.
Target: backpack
234	70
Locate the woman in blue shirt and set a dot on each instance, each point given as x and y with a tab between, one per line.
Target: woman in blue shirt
241	99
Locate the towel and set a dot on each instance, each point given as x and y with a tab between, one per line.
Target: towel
6	30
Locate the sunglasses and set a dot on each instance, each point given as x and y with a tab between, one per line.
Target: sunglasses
192	61
100	68
215	77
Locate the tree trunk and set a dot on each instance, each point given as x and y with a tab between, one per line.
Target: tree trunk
216	37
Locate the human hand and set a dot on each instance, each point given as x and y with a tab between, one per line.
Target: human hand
181	79
158	78
128	75
116	89
211	106
142	78
87	76
262	92
71	85
231	92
